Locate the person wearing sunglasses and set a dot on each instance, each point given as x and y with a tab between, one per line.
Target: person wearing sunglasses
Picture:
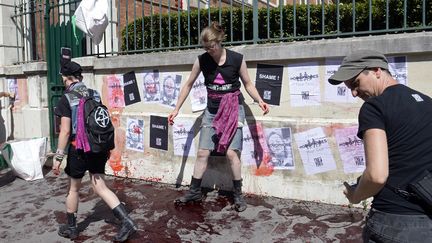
221	128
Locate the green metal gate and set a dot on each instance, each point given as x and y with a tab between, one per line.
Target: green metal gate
58	34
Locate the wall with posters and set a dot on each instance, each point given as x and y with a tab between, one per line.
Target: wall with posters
27	115
303	149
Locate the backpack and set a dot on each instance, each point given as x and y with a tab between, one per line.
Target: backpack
98	135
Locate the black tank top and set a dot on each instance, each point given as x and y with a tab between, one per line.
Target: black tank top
221	78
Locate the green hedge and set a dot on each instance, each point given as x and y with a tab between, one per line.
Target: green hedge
396	20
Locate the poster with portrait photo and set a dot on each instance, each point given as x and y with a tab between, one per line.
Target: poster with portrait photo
315	151
131	92
170	89
398	68
183	138
151	86
304	84
336	93
351	149
13	87
280	149
159	132
135	134
269	82
115	91
198	94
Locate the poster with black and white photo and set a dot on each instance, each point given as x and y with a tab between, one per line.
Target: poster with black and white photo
269	82
159	132
131	92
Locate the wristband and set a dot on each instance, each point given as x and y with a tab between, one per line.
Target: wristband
59	155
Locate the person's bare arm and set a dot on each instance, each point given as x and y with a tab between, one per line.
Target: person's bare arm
63	139
250	88
375	175
184	92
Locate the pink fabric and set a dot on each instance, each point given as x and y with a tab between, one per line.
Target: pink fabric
226	119
81	136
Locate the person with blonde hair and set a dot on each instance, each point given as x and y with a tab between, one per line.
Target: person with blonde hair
221	128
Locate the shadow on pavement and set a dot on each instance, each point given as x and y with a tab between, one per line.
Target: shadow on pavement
6	177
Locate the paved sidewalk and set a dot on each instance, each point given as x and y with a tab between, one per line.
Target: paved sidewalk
31	211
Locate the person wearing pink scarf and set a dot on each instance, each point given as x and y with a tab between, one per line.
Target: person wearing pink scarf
80	158
221	128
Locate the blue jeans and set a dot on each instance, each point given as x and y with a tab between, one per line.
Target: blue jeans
385	227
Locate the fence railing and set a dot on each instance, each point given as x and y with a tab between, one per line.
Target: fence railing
137	26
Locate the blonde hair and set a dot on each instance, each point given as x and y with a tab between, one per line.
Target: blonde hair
214	32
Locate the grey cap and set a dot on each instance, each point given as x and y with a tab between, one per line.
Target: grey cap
353	64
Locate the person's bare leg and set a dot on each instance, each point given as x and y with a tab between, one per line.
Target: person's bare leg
201	163
128	227
235	163
195	193
72	198
234	159
100	188
70	230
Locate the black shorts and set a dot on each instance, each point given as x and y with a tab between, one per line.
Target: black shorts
78	163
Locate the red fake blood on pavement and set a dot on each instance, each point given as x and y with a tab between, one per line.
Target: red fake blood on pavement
159	219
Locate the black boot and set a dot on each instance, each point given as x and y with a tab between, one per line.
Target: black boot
194	194
69	230
128	227
239	202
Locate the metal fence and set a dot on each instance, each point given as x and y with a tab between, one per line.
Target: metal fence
137	26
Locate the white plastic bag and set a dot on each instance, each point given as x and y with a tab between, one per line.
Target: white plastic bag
26	158
91	17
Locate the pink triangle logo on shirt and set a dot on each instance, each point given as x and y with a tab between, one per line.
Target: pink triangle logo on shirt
219	79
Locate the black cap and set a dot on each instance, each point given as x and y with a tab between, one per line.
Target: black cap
71	69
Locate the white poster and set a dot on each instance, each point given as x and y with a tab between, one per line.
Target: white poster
304	84
198	95
135	134
280	149
398	69
315	151
170	88
351	149
336	93
183	135
254	145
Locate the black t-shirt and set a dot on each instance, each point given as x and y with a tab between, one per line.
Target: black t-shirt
406	117
223	78
63	108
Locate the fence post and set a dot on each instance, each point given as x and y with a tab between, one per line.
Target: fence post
255	21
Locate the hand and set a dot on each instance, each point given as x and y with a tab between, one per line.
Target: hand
264	106
57	160
56	167
171	117
349	193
